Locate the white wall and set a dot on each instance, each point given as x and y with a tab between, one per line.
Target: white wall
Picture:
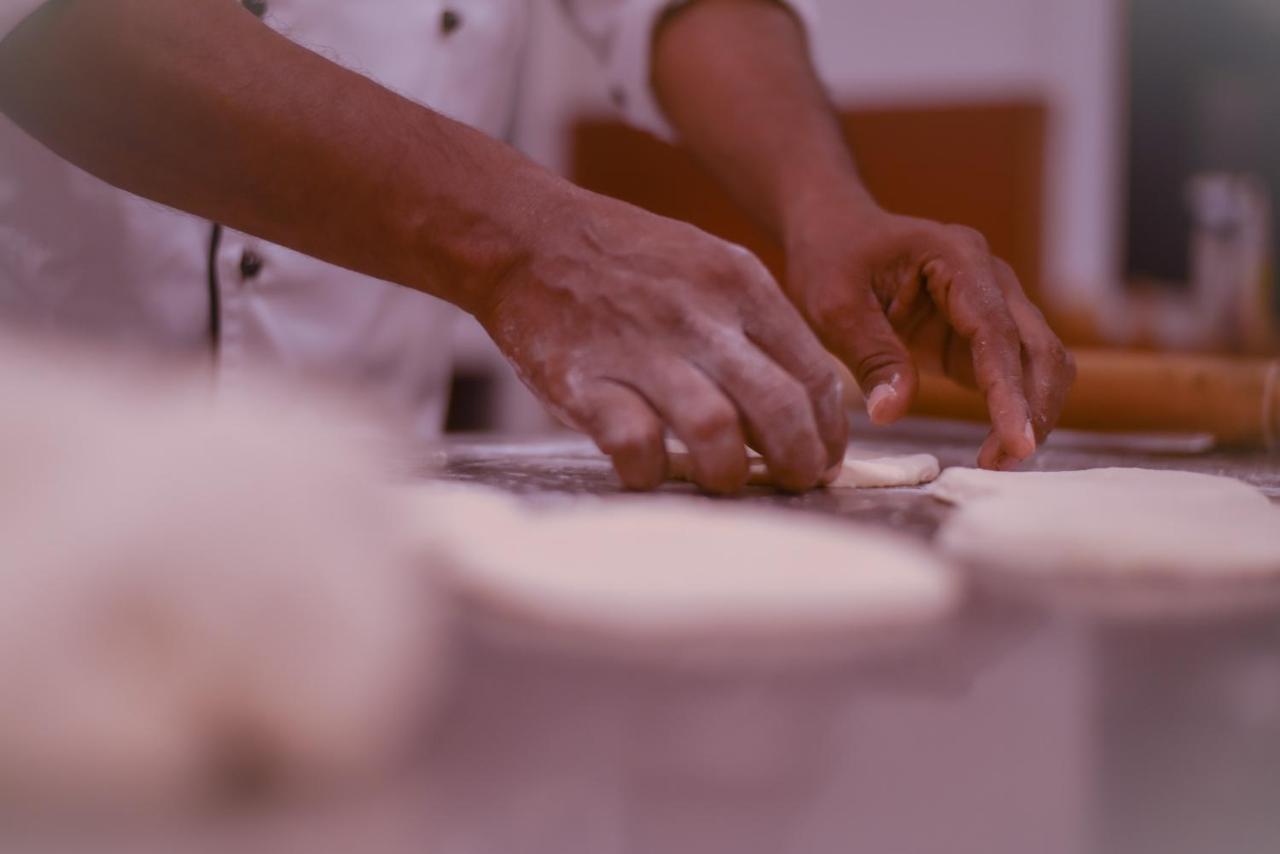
930	50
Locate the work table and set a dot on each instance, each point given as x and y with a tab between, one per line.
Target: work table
571	465
1017	731
1013	730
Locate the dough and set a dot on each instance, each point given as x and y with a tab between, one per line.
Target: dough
963	486
195	588
664	573
862	468
1116	540
865	469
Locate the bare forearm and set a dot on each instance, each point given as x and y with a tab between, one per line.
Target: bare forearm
196	104
735	78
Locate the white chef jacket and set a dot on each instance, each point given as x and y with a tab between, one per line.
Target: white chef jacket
81	257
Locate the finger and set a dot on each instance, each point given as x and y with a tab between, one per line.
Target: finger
964	288
1048	369
792	346
776	411
625	428
863	338
703	418
992	455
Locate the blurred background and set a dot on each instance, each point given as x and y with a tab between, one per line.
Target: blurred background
1122	155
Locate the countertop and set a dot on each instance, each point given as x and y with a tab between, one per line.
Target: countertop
571	465
1012	732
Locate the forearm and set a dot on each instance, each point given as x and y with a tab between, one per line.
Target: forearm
197	105
735	79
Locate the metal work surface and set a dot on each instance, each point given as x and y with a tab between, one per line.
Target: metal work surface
572	465
1011	730
1017	731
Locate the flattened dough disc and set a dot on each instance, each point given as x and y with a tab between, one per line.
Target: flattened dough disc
862	468
1117	541
693	577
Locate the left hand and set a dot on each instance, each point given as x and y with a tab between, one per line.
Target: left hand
891	295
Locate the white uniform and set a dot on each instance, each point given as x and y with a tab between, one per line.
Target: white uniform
81	257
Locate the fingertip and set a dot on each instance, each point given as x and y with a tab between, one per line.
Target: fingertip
642	475
720	470
833	425
802	471
889	401
723	484
880	404
1021	445
989	455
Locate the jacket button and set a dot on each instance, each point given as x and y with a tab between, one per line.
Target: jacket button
257	7
450	20
250	264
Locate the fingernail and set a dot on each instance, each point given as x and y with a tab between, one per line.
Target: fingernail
876	400
1031	438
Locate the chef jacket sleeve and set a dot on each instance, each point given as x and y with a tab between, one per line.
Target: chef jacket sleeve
14	12
620	32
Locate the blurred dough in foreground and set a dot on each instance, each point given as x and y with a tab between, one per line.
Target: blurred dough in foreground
197	589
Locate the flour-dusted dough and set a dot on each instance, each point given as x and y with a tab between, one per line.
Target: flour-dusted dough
1118	540
636	574
192	584
963	486
863	469
867	469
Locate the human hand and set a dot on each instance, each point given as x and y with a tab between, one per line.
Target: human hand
893	295
625	324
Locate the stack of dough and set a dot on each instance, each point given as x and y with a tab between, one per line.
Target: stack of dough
196	590
1116	540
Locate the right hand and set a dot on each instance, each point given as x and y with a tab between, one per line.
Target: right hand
626	324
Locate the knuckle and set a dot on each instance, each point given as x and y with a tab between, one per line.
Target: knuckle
783	401
1003	331
710	421
824	383
1068	364
828	313
740	266
970	239
1049	351
1004	269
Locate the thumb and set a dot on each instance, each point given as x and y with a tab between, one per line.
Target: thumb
866	342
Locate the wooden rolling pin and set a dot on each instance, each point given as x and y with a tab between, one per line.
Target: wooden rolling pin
1237	400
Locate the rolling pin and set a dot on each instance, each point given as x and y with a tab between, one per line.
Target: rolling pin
1237	400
